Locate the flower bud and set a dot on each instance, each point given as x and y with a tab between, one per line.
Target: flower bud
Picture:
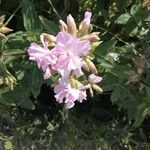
6	81
11	82
91	66
91	92
97	88
85	66
51	45
48	37
72	29
92	37
94	79
87	17
63	26
85	25
5	30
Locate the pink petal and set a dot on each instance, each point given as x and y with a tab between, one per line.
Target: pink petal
94	79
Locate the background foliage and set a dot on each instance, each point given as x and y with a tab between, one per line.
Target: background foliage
116	119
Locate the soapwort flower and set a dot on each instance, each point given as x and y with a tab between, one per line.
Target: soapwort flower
69	55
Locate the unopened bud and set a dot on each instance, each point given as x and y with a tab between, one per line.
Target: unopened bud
91	92
84	29
72	29
91	37
11	86
85	24
97	88
63	26
85	66
6	81
51	45
48	37
91	66
12	82
90	56
4	30
94	79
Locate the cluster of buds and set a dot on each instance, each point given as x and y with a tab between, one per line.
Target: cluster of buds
6	78
3	29
69	54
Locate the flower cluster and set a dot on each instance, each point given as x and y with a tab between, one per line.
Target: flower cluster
69	54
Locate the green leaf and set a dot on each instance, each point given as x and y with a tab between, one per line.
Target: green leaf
145	16
123	19
109	82
19	96
30	16
135	9
120	93
17	40
3	110
16	96
49	26
122	71
105	47
27	103
35	81
106	63
139	118
131	27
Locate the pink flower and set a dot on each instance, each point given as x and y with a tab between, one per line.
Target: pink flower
94	79
65	93
69	51
69	96
87	17
42	57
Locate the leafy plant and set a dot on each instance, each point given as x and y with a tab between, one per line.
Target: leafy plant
116	119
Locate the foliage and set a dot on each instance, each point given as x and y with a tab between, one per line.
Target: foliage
116	119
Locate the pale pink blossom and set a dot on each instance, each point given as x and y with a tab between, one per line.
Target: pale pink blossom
69	51
42	57
94	79
69	96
